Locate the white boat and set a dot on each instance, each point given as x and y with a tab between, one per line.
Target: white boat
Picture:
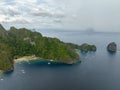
23	72
1	79
49	63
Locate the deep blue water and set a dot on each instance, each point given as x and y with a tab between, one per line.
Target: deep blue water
97	71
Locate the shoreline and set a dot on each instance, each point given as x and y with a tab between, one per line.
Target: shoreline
26	59
35	58
31	58
1	71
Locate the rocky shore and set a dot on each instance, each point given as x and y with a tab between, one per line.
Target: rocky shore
112	47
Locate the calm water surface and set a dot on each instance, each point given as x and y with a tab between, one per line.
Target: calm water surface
98	71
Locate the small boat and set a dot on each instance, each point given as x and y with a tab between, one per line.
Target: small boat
1	79
49	63
23	72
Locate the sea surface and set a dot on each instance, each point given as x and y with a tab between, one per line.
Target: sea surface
98	70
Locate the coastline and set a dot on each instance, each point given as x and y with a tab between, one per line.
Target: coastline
26	59
1	72
30	58
34	58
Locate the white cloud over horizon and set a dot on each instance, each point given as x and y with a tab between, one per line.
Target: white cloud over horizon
64	14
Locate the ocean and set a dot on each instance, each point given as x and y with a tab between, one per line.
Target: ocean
98	70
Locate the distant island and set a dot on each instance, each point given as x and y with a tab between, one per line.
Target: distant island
23	44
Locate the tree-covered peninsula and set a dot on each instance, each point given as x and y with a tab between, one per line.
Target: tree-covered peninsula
16	43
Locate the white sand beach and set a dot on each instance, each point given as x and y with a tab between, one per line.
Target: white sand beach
26	58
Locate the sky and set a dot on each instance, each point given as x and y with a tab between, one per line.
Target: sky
100	15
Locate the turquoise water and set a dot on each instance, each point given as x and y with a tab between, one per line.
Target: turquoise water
98	70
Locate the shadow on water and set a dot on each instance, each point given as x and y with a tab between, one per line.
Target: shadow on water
87	53
8	73
111	54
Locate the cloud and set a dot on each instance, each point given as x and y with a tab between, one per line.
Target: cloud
2	18
66	14
31	11
17	21
46	13
40	12
10	10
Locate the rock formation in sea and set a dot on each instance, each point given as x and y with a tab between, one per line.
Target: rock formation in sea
86	47
112	47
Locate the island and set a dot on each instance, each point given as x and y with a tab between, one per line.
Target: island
24	44
112	47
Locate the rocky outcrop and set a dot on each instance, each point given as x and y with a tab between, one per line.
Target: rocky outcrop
112	47
86	47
